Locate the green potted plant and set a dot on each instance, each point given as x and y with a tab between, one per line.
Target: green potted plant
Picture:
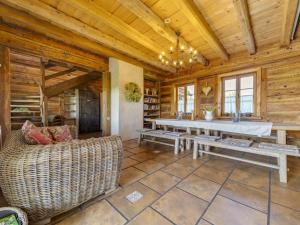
209	112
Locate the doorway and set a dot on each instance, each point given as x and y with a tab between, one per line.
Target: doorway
89	112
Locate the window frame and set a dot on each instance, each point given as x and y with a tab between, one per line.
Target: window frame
256	91
185	96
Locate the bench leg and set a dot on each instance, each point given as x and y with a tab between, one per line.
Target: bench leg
207	147
195	152
188	142
182	145
176	147
140	139
283	168
198	131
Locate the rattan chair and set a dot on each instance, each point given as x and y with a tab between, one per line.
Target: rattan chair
45	181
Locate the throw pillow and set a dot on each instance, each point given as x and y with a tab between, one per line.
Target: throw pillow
34	135
61	133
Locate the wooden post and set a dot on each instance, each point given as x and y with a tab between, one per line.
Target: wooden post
44	99
281	137
5	121
105	106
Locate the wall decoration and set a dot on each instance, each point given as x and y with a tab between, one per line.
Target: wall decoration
132	92
206	90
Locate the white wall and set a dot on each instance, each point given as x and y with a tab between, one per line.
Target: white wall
126	117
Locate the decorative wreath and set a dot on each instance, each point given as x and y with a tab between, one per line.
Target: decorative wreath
132	92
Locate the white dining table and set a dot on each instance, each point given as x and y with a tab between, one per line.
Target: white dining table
255	128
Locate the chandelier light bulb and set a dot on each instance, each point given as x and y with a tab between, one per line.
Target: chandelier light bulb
163	53
162	60
195	52
171	49
160	56
190	60
167	62
174	63
182	47
191	49
180	63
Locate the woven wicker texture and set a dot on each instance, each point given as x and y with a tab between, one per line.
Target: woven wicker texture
47	180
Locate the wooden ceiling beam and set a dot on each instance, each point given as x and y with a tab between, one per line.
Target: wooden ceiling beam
55	90
22	19
241	7
144	13
289	16
192	13
50	14
117	24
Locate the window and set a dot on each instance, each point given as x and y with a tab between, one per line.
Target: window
238	92
186	98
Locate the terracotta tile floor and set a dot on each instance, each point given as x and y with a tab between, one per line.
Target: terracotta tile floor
208	191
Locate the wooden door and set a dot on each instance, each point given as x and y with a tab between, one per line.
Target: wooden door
89	111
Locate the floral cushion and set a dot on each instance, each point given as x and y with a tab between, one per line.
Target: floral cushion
34	135
61	133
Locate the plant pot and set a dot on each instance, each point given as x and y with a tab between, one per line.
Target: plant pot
209	116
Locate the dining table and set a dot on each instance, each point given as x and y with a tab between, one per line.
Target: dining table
254	128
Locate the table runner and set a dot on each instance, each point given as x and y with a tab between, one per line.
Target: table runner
243	127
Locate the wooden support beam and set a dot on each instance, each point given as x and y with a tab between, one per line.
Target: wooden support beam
105	104
50	14
191	12
61	73
72	83
144	13
5	122
43	97
289	16
241	7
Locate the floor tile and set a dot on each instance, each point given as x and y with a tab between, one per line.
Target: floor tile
166	158
283	216
189	161
100	211
136	150
127	154
246	195
178	170
292	184
203	222
285	197
212	174
180	207
131	144
149	166
160	181
221	164
149	217
128	162
143	156
200	187
131	175
128	208
251	178
224	211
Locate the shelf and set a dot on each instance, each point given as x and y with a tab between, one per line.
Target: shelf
152	103
151	110
151	115
152	96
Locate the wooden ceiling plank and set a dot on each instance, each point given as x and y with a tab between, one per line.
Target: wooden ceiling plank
241	7
156	23
45	12
117	24
289	16
190	10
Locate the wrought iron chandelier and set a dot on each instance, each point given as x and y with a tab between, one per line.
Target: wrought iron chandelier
179	56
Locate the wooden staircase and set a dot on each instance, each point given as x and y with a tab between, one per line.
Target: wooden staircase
25	108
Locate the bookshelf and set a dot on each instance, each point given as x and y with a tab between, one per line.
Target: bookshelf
151	100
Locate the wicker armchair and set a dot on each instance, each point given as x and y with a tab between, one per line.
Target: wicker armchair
47	180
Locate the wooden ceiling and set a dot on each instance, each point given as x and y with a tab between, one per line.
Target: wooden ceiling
136	28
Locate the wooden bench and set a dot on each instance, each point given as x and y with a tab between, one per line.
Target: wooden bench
280	155
150	135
